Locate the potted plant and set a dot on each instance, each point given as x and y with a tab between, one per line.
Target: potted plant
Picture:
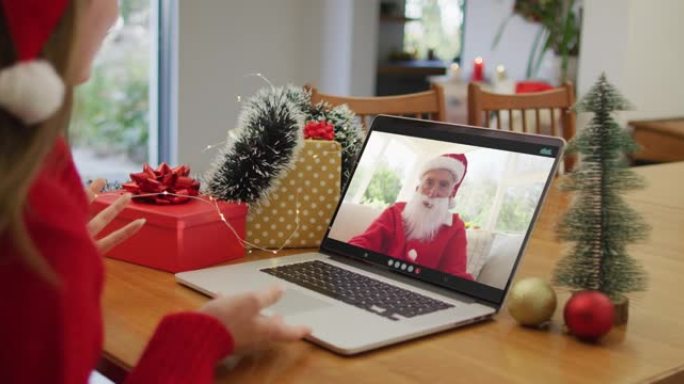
559	31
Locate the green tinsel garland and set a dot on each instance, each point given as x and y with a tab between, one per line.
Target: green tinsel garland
268	136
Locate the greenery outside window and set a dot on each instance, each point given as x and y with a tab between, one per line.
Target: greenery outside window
434	29
377	183
501	190
113	130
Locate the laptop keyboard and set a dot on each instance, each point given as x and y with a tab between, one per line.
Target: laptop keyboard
358	290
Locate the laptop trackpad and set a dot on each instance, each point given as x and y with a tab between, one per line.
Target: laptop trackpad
295	301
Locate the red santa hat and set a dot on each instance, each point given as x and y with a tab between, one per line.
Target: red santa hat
31	89
456	163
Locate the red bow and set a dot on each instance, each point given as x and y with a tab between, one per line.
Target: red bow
168	183
320	130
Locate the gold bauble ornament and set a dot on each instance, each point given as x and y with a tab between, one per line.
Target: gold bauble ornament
532	301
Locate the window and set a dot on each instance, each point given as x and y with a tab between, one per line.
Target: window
378	181
501	190
437	29
114	126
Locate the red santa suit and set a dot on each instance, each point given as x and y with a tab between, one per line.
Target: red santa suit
445	252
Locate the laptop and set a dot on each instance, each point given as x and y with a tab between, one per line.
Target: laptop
357	296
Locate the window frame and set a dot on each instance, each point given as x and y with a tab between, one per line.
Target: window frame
164	89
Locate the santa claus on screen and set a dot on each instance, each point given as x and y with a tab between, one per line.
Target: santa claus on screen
422	231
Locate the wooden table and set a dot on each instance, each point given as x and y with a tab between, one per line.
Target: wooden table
650	348
660	140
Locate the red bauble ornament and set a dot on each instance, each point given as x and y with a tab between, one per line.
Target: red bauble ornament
589	315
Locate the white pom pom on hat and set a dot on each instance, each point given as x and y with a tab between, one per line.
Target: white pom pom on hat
31	90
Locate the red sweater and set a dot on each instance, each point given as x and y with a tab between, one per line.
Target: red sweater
446	252
53	334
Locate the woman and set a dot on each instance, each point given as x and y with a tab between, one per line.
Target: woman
50	265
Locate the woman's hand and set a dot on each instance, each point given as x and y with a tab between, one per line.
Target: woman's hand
104	217
250	330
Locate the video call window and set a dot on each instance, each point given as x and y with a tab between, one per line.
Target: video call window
495	201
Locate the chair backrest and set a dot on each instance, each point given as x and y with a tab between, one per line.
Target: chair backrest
547	112
426	105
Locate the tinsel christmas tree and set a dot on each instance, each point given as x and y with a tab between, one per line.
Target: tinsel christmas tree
267	138
600	223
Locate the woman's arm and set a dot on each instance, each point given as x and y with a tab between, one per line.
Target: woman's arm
186	346
184	349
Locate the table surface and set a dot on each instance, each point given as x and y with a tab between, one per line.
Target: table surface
673	127
660	140
649	348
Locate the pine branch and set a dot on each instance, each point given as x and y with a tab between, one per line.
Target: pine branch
604	96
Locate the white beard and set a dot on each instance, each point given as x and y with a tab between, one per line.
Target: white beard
422	223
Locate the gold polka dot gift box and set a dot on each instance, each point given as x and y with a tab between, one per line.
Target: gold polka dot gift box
298	210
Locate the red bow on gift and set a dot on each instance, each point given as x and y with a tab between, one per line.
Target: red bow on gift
170	185
321	130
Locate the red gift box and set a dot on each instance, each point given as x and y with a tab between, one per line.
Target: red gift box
178	237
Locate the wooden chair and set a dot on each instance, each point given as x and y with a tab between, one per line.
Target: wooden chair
555	105
425	105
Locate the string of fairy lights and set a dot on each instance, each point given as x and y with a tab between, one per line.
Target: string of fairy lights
238	100
294	216
210	200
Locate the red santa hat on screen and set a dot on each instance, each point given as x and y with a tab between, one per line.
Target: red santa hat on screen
31	89
456	163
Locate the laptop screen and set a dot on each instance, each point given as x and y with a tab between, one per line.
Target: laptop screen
448	205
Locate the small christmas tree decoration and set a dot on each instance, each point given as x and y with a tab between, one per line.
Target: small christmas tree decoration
589	315
599	223
532	301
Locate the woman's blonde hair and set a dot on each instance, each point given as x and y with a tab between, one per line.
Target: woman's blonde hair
23	148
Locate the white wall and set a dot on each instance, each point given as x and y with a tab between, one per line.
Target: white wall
221	42
638	44
335	73
333	43
482	20
350	43
364	47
